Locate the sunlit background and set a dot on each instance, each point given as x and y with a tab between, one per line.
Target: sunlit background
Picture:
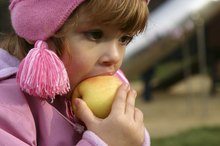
175	67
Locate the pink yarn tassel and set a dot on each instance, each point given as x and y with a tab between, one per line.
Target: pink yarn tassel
41	73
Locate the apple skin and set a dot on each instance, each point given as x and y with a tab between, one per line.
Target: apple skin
98	93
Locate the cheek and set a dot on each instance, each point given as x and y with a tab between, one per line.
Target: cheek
73	70
76	69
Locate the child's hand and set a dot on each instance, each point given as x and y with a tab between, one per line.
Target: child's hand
123	127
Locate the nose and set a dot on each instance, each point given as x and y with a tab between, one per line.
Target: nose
112	54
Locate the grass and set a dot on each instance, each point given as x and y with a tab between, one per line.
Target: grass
206	136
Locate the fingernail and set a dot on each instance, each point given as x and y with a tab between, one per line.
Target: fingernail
76	102
126	86
134	92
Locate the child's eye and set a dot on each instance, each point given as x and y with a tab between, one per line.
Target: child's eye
94	35
125	40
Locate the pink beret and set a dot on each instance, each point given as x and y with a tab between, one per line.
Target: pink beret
40	19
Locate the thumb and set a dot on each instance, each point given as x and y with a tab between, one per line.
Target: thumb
83	112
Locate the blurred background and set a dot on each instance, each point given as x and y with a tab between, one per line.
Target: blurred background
175	67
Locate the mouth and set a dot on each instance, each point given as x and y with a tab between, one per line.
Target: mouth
107	74
100	74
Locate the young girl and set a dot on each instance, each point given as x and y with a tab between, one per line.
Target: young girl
57	45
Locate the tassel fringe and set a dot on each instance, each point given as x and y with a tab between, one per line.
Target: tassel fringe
41	73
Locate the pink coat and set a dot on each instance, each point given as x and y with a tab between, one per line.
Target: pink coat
27	121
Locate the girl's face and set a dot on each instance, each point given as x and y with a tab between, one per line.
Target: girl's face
93	50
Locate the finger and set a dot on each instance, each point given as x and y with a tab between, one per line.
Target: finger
138	115
130	105
83	112
118	106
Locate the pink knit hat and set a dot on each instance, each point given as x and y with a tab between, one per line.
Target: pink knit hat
40	19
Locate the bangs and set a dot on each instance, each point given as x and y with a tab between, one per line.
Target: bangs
129	16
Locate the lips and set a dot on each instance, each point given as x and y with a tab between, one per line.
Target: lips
107	73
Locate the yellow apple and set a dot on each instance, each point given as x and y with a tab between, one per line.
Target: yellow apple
98	93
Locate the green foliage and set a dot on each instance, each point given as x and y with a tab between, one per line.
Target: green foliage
206	136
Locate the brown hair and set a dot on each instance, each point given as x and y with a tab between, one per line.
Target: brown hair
129	15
